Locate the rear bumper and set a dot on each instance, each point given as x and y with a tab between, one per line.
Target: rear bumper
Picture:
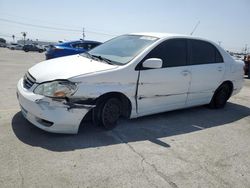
237	84
48	56
47	114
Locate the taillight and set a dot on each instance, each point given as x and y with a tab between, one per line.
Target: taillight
51	47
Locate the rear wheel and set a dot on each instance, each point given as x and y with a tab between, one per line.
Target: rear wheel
107	113
220	97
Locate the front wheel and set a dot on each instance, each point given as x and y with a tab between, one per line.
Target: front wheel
107	113
220	97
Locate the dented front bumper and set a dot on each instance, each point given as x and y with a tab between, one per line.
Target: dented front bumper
49	114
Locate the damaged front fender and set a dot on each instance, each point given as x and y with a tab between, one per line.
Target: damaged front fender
53	103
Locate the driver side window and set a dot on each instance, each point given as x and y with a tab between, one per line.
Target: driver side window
173	53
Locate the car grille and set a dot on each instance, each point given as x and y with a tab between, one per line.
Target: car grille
28	81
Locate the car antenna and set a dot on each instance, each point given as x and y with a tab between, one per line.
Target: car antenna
195	27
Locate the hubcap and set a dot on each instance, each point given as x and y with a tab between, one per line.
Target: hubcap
111	113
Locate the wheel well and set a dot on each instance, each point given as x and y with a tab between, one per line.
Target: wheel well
230	84
126	104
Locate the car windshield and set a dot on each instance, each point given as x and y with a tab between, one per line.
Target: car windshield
122	49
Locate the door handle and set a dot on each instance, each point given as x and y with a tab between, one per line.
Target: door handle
220	69
185	72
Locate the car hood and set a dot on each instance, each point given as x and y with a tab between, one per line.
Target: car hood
66	67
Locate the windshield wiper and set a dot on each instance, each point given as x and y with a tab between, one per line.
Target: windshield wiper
103	59
89	55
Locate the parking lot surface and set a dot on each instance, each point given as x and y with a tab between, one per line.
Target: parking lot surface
196	147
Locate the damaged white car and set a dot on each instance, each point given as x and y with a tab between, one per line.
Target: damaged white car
131	76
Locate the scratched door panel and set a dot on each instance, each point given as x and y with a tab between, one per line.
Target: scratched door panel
205	80
162	89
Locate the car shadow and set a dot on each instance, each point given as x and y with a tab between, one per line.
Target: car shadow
150	128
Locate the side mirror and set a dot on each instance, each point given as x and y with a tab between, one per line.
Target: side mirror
152	63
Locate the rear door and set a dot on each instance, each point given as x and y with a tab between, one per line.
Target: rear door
165	88
207	69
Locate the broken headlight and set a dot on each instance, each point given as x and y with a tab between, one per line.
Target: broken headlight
59	89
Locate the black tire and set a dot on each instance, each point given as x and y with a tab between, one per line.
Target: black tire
220	97
40	51
96	114
107	113
26	50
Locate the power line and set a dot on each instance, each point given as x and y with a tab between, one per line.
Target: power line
28	19
52	28
55	24
39	26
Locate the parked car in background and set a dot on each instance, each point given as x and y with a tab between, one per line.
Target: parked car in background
33	47
70	48
247	65
15	46
2	42
46	47
131	76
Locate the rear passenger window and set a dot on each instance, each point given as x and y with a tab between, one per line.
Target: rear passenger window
173	53
89	46
76	45
80	45
218	57
204	53
86	46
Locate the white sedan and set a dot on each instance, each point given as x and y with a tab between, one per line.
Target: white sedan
131	75
15	46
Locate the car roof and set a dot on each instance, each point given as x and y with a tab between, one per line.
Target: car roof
168	35
80	41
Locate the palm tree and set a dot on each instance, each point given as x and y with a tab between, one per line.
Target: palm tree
24	35
13	36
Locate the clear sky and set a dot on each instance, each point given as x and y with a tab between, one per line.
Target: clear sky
227	21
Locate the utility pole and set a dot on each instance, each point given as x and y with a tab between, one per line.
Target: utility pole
195	28
83	33
245	49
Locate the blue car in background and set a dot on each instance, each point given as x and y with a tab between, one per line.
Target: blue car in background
70	48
